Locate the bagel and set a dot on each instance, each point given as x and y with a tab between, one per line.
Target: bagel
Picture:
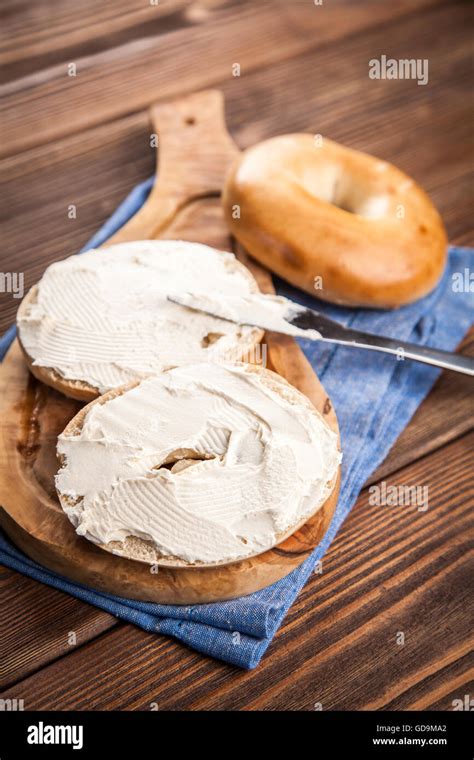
340	224
101	319
204	464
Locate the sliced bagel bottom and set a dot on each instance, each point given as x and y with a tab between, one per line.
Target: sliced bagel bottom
204	465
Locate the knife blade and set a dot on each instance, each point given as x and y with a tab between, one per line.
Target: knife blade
280	314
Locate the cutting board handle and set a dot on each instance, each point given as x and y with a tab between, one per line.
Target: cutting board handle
194	152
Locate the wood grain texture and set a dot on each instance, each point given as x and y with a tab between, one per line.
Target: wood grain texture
114	83
338	645
447	412
36	623
321	88
32	40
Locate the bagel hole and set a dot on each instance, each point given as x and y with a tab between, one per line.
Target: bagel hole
369	207
356	199
210	339
181	459
345	207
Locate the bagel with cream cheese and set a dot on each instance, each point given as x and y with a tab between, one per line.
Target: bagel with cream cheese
340	224
98	320
203	464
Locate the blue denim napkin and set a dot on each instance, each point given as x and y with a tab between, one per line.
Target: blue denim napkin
374	396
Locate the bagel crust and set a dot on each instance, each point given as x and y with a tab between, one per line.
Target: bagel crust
340	224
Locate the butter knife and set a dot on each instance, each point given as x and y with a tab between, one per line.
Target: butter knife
280	314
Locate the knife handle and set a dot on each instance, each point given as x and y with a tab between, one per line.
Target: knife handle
402	349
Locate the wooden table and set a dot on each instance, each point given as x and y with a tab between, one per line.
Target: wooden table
82	142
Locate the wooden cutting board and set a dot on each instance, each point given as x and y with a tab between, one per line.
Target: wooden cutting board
194	152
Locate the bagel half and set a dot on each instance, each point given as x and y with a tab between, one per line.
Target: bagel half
102	319
340	224
215	474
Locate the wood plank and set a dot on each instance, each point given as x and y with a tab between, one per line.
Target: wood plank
462	685
110	84
345	622
40	620
437	421
438	691
64	30
64	25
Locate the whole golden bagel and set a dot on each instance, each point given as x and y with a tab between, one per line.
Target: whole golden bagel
340	224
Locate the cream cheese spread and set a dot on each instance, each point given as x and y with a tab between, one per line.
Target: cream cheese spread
266	311
209	462
103	317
